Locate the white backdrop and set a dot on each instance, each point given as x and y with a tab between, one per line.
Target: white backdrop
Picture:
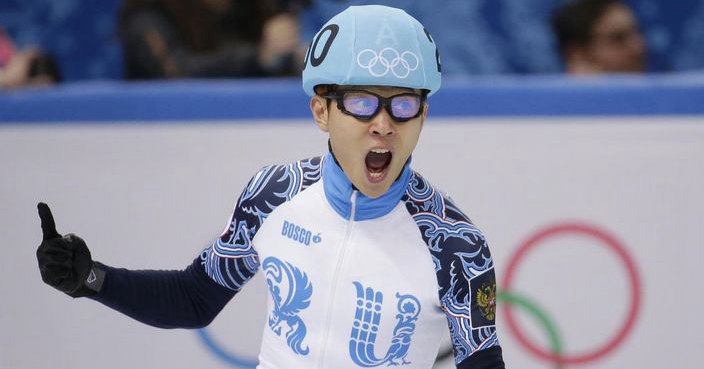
152	196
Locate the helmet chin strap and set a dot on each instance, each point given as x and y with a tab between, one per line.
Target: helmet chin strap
333	154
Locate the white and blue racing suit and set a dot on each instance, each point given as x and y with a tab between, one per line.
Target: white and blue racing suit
353	281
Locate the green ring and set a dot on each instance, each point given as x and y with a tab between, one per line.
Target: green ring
513	298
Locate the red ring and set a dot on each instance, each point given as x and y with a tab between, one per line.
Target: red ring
635	295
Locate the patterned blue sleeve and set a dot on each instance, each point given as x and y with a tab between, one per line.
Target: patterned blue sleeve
463	265
231	261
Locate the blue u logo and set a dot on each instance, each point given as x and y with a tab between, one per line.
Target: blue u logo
366	326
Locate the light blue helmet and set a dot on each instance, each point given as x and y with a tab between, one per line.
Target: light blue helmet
372	45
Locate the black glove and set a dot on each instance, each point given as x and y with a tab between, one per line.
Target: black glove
65	262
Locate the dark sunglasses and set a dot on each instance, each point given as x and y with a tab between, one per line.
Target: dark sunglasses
364	105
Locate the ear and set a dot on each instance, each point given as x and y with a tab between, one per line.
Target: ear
319	108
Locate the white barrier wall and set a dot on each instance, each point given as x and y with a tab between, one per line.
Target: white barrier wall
152	196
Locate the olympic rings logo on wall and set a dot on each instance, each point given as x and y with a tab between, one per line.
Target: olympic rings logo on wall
510	299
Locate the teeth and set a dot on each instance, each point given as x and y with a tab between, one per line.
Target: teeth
375	174
380	151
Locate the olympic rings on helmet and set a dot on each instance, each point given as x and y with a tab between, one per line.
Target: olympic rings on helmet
388	60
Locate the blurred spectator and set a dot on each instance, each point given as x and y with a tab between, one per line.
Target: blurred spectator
22	68
599	36
210	38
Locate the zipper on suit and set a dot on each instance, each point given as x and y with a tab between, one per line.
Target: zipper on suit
335	278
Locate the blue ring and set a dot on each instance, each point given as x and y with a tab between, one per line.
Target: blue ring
232	359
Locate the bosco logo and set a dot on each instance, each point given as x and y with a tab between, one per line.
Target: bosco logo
299	234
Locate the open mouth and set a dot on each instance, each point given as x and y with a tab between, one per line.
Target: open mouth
377	162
